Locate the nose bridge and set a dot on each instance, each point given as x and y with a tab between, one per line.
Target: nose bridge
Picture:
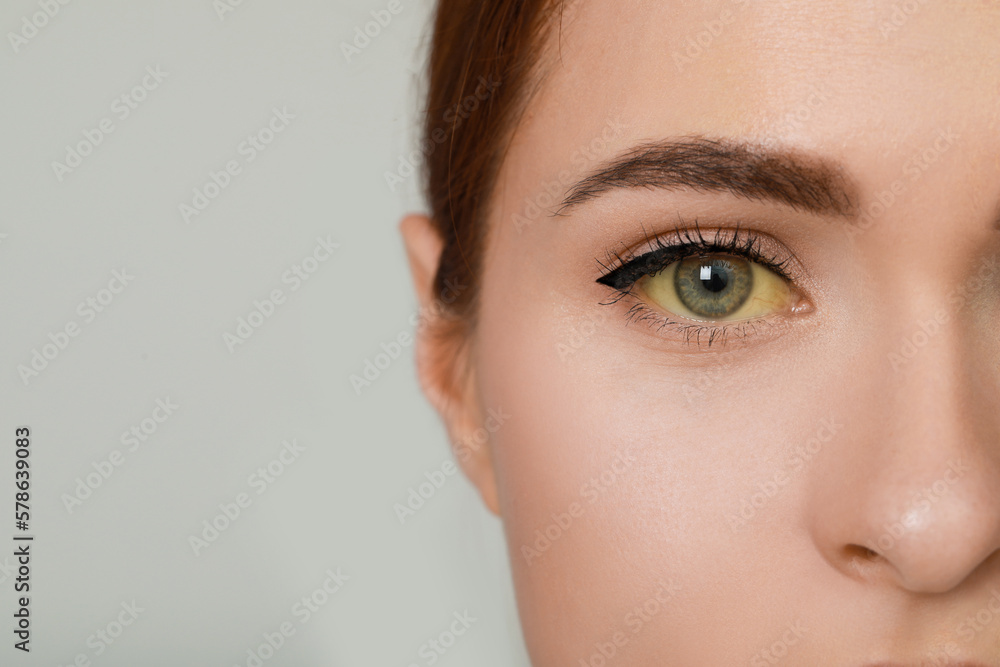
942	367
929	373
924	507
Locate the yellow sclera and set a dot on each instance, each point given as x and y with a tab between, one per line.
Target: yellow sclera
717	288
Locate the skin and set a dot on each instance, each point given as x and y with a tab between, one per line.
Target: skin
861	457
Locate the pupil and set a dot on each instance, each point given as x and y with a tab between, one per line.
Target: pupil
713	287
712	279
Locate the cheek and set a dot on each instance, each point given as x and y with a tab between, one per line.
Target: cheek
618	474
565	470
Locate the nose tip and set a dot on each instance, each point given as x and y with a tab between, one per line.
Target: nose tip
946	531
922	533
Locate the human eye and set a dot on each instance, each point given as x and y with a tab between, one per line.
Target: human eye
706	286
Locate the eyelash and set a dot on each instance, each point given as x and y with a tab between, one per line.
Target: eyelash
623	269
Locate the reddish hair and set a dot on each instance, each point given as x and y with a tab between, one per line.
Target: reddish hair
482	70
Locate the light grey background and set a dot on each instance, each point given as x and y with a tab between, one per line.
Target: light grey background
162	337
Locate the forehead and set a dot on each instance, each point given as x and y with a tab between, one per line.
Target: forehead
833	77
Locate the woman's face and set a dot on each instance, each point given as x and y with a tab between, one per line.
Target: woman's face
785	448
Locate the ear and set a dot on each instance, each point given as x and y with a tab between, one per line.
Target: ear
446	375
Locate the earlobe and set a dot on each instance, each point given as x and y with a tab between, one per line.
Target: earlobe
465	421
443	363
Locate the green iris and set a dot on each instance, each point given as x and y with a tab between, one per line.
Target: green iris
713	287
718	288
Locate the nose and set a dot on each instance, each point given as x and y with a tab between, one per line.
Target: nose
911	492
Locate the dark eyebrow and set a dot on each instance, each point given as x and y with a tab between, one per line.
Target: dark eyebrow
808	183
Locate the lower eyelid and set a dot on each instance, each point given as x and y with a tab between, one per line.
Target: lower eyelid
708	334
693	332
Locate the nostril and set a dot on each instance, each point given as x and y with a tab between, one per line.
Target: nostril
864	553
861	559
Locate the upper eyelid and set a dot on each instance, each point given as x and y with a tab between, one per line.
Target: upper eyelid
740	242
